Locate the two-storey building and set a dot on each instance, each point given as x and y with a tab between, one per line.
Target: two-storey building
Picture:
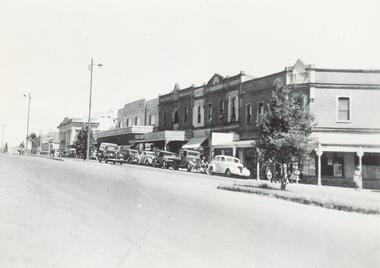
347	130
133	121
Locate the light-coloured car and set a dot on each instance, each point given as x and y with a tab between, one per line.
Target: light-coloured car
146	158
228	166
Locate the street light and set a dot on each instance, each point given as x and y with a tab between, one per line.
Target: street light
27	123
89	109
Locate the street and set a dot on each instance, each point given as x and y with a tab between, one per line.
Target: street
76	213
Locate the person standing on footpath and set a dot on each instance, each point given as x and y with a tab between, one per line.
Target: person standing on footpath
358	179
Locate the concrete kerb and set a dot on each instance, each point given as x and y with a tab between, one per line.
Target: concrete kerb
264	190
42	156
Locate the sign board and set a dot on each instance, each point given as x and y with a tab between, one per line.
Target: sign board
218	138
123	131
168	135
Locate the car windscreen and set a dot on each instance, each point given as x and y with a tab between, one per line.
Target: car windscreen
112	148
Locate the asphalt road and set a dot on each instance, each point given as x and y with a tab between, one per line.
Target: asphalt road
85	214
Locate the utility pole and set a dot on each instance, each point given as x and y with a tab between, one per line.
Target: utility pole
89	110
27	123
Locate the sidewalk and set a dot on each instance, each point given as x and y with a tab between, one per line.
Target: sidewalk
42	156
347	199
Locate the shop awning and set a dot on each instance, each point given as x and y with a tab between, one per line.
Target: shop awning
194	143
348	142
237	144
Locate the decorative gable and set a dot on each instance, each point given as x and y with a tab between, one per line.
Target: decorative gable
299	73
215	80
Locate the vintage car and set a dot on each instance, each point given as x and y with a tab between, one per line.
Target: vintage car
129	155
146	158
188	159
165	159
228	166
109	152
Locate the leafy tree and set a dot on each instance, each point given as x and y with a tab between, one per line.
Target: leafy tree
81	142
285	129
35	140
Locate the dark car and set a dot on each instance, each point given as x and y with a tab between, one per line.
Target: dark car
189	159
165	159
129	155
109	152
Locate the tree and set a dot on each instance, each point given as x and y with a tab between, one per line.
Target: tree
35	142
81	142
285	129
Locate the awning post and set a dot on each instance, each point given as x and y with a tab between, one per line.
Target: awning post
319	154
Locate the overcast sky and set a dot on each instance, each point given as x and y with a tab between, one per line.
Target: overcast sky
148	46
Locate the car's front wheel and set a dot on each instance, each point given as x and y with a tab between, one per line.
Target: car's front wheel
227	173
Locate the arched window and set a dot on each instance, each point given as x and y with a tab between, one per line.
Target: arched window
175	117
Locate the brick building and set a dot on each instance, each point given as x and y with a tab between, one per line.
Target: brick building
175	109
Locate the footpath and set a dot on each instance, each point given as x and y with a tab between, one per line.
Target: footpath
43	156
340	198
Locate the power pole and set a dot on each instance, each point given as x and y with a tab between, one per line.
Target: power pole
27	123
89	113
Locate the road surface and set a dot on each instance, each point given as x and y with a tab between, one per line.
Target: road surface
86	214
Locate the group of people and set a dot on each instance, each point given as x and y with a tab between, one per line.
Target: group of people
281	172
275	172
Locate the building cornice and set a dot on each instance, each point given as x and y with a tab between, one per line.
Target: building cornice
347	130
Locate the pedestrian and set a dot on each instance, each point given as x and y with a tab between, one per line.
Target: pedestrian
358	182
269	175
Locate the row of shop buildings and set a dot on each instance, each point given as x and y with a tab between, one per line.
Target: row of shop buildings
220	117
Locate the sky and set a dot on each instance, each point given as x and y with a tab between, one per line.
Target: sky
147	46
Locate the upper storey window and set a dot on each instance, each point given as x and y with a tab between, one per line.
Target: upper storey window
344	112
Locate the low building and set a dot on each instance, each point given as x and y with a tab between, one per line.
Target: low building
49	142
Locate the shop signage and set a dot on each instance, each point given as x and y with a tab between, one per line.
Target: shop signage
167	135
123	131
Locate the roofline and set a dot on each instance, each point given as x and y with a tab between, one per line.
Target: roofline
346	70
265	77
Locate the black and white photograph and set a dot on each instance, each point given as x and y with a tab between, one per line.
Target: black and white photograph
203	133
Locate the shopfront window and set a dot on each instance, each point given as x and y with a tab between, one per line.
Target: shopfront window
332	164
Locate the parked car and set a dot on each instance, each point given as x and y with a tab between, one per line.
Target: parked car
228	166
188	159
109	152
146	158
165	159
129	155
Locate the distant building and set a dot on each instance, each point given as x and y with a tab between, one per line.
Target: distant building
48	142
68	132
107	120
